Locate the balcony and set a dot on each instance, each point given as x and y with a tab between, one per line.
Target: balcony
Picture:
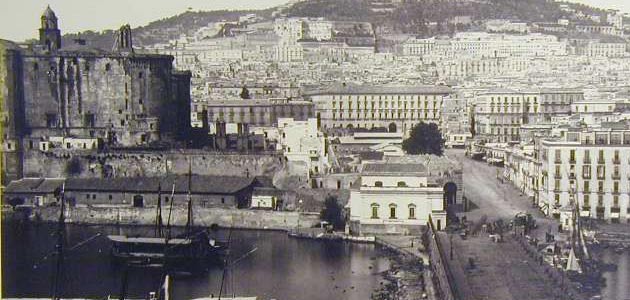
616	176
601	161
615	209
616	161
558	160
586	208
557	176
572	161
587	160
600	209
572	176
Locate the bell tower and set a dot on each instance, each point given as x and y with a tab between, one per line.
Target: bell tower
125	43
49	34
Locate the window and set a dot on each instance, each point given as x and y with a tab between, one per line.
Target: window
558	156
378	184
402	184
587	201
572	156
616	187
110	197
374	211
586	172
108	67
600	200
600	159
51	120
600	186
587	186
392	211
615	201
601	172
557	199
412	211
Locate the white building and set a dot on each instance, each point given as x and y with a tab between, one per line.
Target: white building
397	108
482	44
499	113
395	198
303	144
595	164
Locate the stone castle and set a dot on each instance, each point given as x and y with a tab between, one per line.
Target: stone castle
75	97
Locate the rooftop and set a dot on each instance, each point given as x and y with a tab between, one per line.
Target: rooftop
394	168
376	90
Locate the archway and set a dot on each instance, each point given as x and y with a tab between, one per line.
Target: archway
392	127
450	193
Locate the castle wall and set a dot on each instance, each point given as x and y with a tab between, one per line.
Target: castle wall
116	98
129	164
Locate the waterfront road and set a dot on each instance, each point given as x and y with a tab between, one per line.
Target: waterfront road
484	269
491	197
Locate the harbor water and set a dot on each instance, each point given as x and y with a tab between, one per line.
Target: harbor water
279	268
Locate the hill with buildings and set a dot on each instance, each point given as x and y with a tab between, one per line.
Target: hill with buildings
425	18
163	30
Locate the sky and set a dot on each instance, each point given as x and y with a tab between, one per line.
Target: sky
19	19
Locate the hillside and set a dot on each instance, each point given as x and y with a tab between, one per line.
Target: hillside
424	18
415	16
163	30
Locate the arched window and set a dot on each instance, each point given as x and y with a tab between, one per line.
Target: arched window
402	184
412	211
392	211
378	184
374	210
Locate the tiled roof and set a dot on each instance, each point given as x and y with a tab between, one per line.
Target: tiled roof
199	184
34	185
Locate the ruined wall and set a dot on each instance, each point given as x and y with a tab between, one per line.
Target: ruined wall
129	164
237	218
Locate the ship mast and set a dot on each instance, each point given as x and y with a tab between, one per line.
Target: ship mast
158	217
59	247
189	222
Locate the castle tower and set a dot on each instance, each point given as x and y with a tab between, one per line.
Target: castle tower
125	43
49	34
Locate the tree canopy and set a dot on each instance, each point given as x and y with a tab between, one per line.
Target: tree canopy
424	139
245	93
333	213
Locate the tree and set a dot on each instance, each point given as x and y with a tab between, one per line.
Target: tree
74	167
333	213
245	93
424	139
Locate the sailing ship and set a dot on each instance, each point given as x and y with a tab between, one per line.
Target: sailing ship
193	251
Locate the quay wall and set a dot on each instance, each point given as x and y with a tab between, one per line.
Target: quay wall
442	277
92	164
235	218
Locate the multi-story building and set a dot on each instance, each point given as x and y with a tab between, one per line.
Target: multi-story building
396	108
302	142
261	112
499	113
395	198
603	49
481	44
591	167
599	29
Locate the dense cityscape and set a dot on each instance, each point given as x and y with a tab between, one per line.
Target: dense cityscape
351	149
